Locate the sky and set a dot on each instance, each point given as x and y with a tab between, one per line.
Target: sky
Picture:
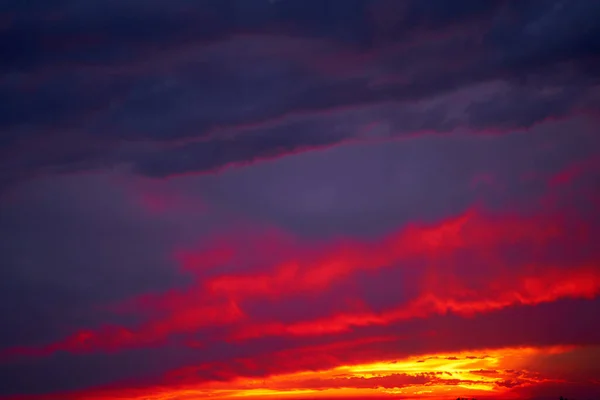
299	199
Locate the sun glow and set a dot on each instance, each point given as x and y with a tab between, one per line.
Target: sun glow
471	374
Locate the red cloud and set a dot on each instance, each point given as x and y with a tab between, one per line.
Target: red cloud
449	255
569	175
583	282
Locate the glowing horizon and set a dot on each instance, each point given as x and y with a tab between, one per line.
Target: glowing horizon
481	374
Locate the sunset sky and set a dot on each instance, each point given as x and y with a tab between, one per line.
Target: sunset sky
299	199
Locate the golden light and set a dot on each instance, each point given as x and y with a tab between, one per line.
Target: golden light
468	374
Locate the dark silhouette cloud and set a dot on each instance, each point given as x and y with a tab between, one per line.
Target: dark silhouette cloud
182	71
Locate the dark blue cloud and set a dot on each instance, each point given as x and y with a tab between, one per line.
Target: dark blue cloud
120	71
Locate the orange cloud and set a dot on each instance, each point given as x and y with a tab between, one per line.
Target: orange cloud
502	373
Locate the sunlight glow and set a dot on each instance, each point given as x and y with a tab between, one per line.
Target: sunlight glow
433	376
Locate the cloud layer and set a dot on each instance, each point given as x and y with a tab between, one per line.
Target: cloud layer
357	199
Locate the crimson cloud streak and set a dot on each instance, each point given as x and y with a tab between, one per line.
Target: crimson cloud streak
335	199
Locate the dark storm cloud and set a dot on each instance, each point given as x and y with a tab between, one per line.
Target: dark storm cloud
54	33
291	134
522	107
515	109
119	71
248	147
543	33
